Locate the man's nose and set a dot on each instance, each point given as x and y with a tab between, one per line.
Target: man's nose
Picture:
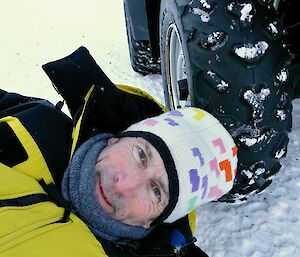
126	183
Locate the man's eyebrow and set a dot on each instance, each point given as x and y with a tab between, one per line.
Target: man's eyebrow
148	150
163	187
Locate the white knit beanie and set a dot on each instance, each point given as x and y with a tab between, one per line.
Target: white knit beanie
199	155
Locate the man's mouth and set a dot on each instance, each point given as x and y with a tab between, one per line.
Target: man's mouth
102	196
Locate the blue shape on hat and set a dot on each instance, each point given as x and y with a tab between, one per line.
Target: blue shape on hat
177	239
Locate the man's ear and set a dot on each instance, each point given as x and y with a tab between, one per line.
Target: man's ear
112	140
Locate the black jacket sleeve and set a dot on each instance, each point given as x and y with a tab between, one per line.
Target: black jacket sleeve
12	100
73	76
109	109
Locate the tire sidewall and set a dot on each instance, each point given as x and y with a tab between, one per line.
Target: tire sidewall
169	14
129	34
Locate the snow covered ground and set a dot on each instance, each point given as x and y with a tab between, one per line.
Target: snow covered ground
33	32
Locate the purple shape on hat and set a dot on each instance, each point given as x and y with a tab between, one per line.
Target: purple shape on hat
219	143
214	166
171	122
150	122
175	113
204	186
197	153
215	192
194	179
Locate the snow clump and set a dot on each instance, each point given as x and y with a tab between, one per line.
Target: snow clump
205	4
280	153
251	141
282	76
273	29
217	39
245	13
251	52
256	101
221	85
241	10
204	16
280	114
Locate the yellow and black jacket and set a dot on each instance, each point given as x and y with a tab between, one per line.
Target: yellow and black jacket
37	141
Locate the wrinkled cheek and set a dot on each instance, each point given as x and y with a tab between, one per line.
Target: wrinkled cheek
140	209
121	210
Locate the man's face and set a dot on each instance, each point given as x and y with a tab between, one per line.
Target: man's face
131	183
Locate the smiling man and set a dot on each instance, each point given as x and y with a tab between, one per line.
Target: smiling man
128	187
156	171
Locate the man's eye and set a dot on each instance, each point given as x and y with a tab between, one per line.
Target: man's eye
142	156
157	193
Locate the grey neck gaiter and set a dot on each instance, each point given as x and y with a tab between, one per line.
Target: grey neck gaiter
78	188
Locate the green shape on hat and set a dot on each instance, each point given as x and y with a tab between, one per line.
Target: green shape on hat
192	203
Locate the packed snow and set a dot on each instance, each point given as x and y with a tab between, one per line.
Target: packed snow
219	83
204	12
280	153
282	76
242	10
204	16
205	5
245	13
34	32
273	29
216	39
251	52
280	114
256	100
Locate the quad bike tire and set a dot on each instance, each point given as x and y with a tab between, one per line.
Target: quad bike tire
140	51
235	66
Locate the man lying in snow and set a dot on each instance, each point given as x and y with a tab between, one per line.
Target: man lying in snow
126	191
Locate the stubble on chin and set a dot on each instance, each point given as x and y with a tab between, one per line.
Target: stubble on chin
107	179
